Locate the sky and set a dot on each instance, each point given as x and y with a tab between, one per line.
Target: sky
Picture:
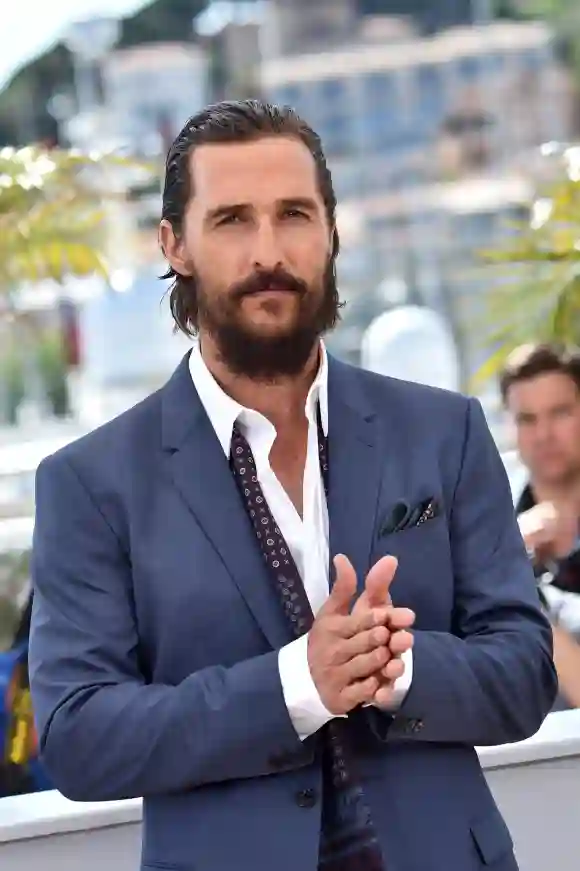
28	27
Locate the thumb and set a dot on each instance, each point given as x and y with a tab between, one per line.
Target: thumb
379	580
344	586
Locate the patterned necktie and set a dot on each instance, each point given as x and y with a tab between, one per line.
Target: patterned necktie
348	841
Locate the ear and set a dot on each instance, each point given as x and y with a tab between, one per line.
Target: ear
173	248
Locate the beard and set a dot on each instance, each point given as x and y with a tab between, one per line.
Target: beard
257	354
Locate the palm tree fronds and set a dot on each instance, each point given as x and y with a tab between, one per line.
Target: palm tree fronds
535	274
52	212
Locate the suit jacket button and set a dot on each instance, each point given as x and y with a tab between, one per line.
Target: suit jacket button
414	726
306	798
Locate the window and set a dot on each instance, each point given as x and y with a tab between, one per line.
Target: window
333	90
475	230
469	68
347	177
337	135
430	97
382	118
380	90
333	120
534	60
289	95
494	62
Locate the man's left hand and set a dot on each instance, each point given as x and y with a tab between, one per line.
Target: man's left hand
377	594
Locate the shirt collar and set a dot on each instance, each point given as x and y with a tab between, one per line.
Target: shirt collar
223	411
526	500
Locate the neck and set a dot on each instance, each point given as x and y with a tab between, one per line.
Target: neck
282	401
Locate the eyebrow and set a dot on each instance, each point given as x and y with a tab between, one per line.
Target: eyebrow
305	203
222	211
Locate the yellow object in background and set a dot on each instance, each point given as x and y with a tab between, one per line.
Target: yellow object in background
21	744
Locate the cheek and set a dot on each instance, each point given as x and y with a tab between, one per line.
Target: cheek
570	437
307	249
525	442
311	268
216	267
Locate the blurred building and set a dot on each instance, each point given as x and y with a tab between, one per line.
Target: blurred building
384	101
293	27
430	142
419	247
431	15
298	26
128	348
231	31
150	91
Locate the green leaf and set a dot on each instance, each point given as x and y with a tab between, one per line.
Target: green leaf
52	208
534	278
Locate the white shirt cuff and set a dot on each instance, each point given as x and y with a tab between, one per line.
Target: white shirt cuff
402	684
307	712
305	707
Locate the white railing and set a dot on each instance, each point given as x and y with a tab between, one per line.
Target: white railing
536	784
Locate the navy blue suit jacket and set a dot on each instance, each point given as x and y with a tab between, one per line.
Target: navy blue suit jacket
153	651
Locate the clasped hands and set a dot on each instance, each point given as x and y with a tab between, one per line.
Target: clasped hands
354	653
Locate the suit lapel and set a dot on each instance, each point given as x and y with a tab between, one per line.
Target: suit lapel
200	471
359	463
362	459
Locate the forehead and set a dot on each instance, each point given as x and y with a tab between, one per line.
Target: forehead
542	392
264	170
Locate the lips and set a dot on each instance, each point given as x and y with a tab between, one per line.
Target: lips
271	288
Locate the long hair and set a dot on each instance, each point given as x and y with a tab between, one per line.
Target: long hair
230	121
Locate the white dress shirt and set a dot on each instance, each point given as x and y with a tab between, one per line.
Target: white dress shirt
306	536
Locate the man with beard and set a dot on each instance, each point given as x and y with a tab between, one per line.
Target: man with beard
226	576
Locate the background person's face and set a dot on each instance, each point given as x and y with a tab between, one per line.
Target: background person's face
257	241
546	412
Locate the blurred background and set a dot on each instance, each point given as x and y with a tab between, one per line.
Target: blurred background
450	129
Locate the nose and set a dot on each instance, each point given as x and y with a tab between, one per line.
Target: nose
267	254
544	434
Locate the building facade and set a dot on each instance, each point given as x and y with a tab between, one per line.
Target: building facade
151	90
430	140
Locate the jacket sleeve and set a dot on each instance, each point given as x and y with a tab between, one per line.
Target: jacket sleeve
105	733
492	679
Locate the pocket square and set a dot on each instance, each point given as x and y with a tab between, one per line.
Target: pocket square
428	511
403	516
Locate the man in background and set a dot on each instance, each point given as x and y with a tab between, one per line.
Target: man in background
540	387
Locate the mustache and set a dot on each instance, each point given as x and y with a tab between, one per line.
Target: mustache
272	280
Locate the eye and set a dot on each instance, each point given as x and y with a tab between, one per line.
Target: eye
295	213
229	219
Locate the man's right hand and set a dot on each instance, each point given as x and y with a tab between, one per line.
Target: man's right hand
547	531
347	651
